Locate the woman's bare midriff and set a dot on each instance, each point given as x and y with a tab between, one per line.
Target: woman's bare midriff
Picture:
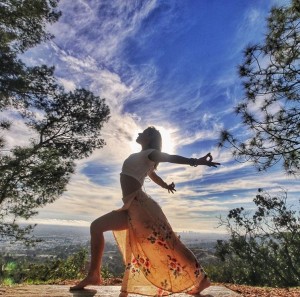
128	184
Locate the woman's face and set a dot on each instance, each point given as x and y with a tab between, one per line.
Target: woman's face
143	138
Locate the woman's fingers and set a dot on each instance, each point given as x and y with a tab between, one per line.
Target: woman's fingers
171	188
207	160
209	157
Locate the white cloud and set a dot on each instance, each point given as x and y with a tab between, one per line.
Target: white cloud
19	134
69	85
182	138
59	222
84	200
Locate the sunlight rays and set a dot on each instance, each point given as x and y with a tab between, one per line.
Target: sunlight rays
168	142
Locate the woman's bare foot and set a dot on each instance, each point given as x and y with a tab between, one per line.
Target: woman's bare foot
203	285
93	280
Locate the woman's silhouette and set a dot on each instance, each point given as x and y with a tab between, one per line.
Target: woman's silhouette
156	261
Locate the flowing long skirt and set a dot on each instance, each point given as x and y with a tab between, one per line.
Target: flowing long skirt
156	261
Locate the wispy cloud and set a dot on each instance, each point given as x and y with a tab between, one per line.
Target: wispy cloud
98	28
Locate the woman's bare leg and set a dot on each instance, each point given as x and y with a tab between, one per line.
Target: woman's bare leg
115	220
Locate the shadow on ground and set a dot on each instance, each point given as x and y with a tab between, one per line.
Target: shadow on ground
84	293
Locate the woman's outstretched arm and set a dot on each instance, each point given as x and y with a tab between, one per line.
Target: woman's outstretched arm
157	157
158	180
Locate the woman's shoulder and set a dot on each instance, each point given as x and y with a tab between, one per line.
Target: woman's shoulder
151	151
153	155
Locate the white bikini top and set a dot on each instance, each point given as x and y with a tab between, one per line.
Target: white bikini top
138	165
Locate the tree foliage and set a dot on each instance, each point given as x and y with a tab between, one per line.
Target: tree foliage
264	245
52	270
23	23
270	111
66	126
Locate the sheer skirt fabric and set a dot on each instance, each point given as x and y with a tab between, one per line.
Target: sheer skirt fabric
157	263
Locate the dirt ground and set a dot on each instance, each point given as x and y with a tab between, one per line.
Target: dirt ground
249	291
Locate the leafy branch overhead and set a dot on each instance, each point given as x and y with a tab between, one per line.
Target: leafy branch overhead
66	126
270	110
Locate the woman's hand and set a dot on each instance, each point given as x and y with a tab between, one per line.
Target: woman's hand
171	188
206	160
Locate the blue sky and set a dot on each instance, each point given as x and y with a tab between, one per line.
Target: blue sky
171	64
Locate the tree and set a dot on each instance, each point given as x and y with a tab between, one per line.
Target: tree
270	110
264	246
66	125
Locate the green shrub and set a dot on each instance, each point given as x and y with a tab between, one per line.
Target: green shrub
264	246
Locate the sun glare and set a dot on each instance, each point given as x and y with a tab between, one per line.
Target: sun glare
168	144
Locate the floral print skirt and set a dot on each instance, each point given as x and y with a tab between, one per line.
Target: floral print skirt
157	262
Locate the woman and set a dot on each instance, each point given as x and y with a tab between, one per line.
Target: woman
157	262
